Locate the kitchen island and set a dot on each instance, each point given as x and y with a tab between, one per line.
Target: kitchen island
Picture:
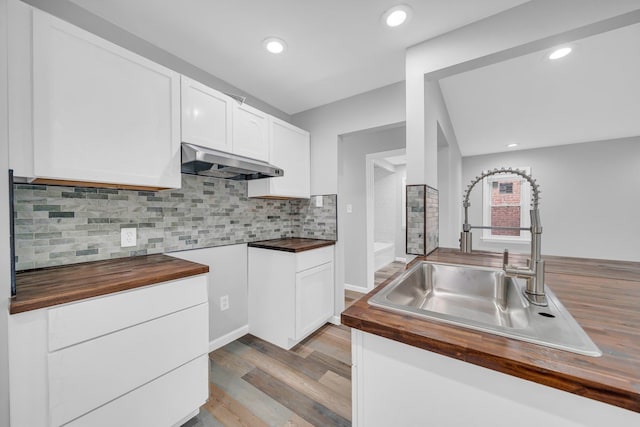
460	378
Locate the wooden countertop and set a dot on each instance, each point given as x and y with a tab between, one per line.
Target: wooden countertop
603	297
46	287
294	244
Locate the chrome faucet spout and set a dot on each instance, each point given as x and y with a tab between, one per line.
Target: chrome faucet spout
534	272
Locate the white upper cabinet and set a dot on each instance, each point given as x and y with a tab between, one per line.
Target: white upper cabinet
289	150
250	132
100	113
206	116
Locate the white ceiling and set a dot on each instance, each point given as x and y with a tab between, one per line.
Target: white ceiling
336	48
592	94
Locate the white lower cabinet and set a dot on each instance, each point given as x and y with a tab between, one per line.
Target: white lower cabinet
137	357
180	388
290	294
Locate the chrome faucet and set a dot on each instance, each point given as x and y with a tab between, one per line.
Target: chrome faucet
534	271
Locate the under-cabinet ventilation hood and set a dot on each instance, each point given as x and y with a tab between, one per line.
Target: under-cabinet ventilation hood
199	160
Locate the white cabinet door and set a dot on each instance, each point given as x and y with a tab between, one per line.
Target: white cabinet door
100	112
314	298
181	391
206	116
289	150
250	132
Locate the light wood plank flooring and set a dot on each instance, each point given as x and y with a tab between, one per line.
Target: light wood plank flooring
254	383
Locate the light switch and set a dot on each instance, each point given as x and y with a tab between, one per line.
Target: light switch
349	208
127	237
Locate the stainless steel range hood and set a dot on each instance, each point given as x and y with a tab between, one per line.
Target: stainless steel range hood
199	160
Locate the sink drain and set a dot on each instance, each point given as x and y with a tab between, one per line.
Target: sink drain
546	314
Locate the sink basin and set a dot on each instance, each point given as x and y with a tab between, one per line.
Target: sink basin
483	299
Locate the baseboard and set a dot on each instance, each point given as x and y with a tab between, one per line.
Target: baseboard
401	259
227	338
335	320
353	288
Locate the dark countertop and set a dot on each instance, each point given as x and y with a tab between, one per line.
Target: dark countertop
603	297
50	286
293	244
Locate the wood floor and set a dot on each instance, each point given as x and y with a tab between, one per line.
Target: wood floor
254	383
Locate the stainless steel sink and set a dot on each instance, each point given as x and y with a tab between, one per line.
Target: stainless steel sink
483	299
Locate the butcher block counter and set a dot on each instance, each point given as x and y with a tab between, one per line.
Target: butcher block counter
603	297
293	244
50	286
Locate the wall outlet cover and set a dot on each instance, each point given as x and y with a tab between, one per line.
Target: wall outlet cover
127	237
349	208
224	302
318	201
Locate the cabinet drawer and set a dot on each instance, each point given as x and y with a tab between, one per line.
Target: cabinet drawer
88	375
73	323
313	258
181	392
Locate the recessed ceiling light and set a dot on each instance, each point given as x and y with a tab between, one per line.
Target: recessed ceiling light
560	53
512	145
274	45
397	15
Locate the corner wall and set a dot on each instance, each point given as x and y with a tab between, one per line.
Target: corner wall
374	109
352	152
589	201
5	288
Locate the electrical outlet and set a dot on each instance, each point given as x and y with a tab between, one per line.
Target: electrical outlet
349	208
318	201
127	237
224	302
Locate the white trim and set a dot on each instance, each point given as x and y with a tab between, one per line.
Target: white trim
335	320
227	338
401	259
360	289
370	191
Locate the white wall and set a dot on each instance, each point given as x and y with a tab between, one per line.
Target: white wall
380	107
370	110
449	167
384	205
590	199
401	236
227	276
5	284
352	190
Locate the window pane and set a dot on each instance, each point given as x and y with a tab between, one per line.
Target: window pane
506	188
505	216
505	205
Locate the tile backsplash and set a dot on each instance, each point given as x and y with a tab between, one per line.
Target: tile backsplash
432	217
57	225
422	219
415	219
